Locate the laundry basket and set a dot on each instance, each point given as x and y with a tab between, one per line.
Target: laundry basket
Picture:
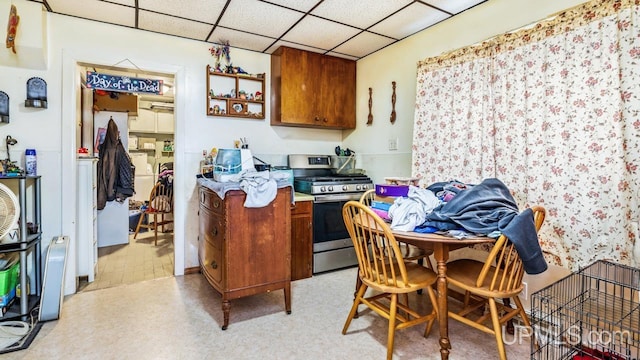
591	314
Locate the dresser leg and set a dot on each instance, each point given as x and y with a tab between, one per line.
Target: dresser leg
226	305
287	297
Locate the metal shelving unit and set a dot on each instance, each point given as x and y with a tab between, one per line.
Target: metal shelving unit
30	242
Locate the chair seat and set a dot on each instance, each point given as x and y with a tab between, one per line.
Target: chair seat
419	278
464	273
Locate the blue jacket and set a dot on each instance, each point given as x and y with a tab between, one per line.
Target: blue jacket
489	207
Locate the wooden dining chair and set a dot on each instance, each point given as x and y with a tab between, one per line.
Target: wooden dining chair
383	269
160	205
499	277
410	252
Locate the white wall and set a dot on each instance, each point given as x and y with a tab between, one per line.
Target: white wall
52	131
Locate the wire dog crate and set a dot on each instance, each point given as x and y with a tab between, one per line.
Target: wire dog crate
591	314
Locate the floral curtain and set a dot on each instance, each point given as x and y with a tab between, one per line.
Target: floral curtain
554	112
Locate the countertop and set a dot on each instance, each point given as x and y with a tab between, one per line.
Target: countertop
297	196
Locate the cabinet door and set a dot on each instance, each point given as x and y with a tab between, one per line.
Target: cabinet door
298	86
164	122
144	122
301	240
338	92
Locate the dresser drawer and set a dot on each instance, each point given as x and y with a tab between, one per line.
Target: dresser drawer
211	201
211	262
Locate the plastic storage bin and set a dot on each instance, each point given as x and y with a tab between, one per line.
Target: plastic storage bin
8	282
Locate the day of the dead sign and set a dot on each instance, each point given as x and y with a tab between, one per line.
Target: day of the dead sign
108	82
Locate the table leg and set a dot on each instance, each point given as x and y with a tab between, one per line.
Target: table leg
441	255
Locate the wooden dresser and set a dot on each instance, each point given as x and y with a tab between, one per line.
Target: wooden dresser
245	251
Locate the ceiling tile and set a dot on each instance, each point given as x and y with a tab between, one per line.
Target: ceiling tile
173	25
363	44
409	21
454	6
258	17
342	56
121	2
240	40
330	35
95	10
293	45
351	12
206	11
302	5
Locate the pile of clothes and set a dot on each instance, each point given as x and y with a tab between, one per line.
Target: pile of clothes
464	210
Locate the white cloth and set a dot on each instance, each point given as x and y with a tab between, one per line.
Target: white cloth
408	212
261	189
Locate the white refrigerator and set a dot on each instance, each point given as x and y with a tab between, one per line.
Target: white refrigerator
113	220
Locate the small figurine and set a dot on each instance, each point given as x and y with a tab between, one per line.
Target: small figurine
258	95
242	94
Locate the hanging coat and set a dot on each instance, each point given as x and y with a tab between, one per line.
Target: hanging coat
115	170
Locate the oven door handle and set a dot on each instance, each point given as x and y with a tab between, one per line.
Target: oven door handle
335	197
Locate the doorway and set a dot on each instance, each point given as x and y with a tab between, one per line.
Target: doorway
148	137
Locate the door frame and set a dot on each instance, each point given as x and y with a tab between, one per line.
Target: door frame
71	103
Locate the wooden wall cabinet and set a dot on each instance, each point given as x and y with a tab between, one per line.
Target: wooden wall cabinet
312	90
235	95
301	240
245	251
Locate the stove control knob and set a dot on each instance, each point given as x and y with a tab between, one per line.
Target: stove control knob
365	187
358	187
322	189
330	189
345	187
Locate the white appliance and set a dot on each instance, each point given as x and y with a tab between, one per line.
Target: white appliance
53	279
144	178
113	220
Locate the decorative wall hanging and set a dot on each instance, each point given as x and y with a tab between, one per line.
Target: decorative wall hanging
370	117
219	52
393	102
36	93
128	84
12	28
4	107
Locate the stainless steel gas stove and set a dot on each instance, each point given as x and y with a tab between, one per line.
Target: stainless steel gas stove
314	175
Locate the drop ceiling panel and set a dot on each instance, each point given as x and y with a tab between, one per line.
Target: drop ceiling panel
240	40
454	6
409	21
206	11
363	44
351	12
259	18
96	10
262	25
301	5
173	25
293	45
320	33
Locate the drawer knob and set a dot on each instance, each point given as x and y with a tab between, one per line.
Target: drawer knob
214	264
216	204
214	232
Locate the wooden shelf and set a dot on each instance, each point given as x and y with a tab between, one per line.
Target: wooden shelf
235	95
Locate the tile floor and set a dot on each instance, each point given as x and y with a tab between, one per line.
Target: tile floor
137	261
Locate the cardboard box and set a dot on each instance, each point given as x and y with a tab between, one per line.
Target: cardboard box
145	143
122	102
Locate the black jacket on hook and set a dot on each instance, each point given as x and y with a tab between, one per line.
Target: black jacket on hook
115	171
